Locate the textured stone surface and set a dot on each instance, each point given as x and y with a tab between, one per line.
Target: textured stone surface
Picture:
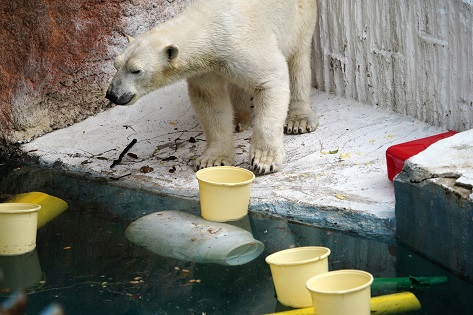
57	58
455	161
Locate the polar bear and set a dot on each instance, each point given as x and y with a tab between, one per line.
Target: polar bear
230	51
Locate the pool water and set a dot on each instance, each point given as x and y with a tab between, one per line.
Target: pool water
89	267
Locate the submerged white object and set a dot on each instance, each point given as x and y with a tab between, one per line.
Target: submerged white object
186	236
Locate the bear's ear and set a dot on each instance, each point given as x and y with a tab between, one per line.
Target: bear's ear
171	52
129	38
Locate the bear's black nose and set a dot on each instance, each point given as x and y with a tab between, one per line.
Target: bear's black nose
117	97
111	97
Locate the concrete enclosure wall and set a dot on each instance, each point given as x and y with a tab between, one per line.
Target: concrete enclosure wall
414	57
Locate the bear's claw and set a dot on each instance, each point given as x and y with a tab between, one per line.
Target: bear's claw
299	124
262	164
261	170
204	162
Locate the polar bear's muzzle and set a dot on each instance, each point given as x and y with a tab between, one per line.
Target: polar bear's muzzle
118	98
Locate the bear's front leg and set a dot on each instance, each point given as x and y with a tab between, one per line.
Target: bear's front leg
212	104
270	108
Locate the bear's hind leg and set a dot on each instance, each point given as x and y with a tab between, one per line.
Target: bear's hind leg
212	104
300	117
241	101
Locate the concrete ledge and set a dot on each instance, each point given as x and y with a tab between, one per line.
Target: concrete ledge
434	203
334	177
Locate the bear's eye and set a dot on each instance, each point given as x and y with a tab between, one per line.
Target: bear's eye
135	71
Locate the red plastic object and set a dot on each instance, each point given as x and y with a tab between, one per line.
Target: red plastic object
397	154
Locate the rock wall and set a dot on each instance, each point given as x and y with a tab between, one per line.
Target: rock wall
57	58
412	57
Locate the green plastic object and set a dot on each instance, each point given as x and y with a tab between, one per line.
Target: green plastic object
406	283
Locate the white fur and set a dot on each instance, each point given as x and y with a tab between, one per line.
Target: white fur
230	51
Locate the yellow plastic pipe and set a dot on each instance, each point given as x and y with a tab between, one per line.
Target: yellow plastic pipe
51	206
385	304
396	303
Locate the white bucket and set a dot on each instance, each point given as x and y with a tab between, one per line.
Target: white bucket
224	192
291	268
342	292
18	225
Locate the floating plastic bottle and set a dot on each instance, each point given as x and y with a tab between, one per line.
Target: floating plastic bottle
188	237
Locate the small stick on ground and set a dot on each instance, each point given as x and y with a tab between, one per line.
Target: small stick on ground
117	178
120	158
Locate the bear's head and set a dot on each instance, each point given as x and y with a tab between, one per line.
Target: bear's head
146	64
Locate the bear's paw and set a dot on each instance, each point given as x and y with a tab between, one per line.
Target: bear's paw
265	161
300	123
212	160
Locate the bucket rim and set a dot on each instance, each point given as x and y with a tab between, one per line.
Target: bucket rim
368	276
272	259
6	208
214	168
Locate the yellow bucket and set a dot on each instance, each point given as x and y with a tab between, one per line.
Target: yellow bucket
18	225
341	292
51	206
224	192
291	268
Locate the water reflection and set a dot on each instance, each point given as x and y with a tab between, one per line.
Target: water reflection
21	272
93	268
